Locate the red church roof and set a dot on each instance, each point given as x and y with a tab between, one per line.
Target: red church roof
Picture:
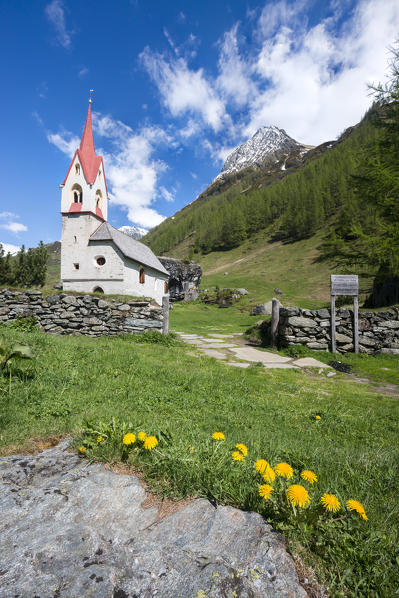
87	154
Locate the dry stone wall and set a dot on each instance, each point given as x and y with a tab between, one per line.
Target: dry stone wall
81	314
378	331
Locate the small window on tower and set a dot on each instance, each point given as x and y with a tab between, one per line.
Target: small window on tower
142	276
166	286
77	168
100	261
75	239
99	173
76	266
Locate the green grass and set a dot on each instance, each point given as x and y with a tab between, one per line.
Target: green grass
183	398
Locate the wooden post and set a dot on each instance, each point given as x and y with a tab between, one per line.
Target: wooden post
275	321
165	307
356	323
333	345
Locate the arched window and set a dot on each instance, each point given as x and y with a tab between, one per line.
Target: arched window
98	290
77	194
142	276
99	197
166	287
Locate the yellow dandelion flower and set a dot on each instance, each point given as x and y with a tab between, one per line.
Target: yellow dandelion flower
150	442
82	449
330	502
309	476
129	439
318	417
261	465
265	491
100	439
284	470
355	505
218	436
242	448
141	436
269	475
237	456
298	496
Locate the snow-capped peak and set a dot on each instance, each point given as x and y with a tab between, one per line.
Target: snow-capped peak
267	145
133	231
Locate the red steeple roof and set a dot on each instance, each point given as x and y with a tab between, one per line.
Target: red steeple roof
87	154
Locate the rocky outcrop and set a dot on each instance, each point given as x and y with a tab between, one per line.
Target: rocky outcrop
72	529
378	331
184	279
81	314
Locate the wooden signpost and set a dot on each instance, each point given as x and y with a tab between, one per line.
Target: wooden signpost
345	285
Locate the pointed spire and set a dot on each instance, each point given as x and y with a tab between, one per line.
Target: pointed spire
87	142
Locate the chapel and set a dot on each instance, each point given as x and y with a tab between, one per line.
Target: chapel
95	256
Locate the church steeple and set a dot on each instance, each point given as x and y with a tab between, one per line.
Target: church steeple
85	187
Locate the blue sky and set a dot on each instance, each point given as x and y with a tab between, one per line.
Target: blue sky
177	85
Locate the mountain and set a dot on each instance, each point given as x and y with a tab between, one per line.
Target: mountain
265	148
133	231
293	196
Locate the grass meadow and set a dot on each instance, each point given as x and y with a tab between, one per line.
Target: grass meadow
344	432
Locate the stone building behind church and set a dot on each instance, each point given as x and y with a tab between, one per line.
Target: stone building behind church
95	256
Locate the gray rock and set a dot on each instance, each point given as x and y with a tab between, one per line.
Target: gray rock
342	338
72	529
301	322
391	324
143	323
242	291
264	308
70	300
387	351
317	346
366	340
323	313
184	278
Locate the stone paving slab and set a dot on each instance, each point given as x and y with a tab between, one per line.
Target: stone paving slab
239	364
218	345
280	366
214	353
311	363
251	354
220	335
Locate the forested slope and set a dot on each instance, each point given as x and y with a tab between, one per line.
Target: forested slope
293	203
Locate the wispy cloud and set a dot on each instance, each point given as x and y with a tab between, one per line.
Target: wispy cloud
168	195
310	79
55	13
83	72
65	141
8	221
183	90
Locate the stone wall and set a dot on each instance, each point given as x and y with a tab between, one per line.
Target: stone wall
81	314
378	331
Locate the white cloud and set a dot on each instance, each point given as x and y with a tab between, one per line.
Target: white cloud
310	79
132	171
234	81
55	13
168	195
316	79
65	141
9	222
83	72
183	90
8	248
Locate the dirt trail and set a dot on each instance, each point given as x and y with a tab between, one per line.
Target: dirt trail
239	261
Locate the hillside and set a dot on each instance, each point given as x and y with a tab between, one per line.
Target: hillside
293	198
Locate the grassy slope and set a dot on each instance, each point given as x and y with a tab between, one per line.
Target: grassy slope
162	390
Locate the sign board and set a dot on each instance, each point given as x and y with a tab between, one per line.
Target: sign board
344	284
